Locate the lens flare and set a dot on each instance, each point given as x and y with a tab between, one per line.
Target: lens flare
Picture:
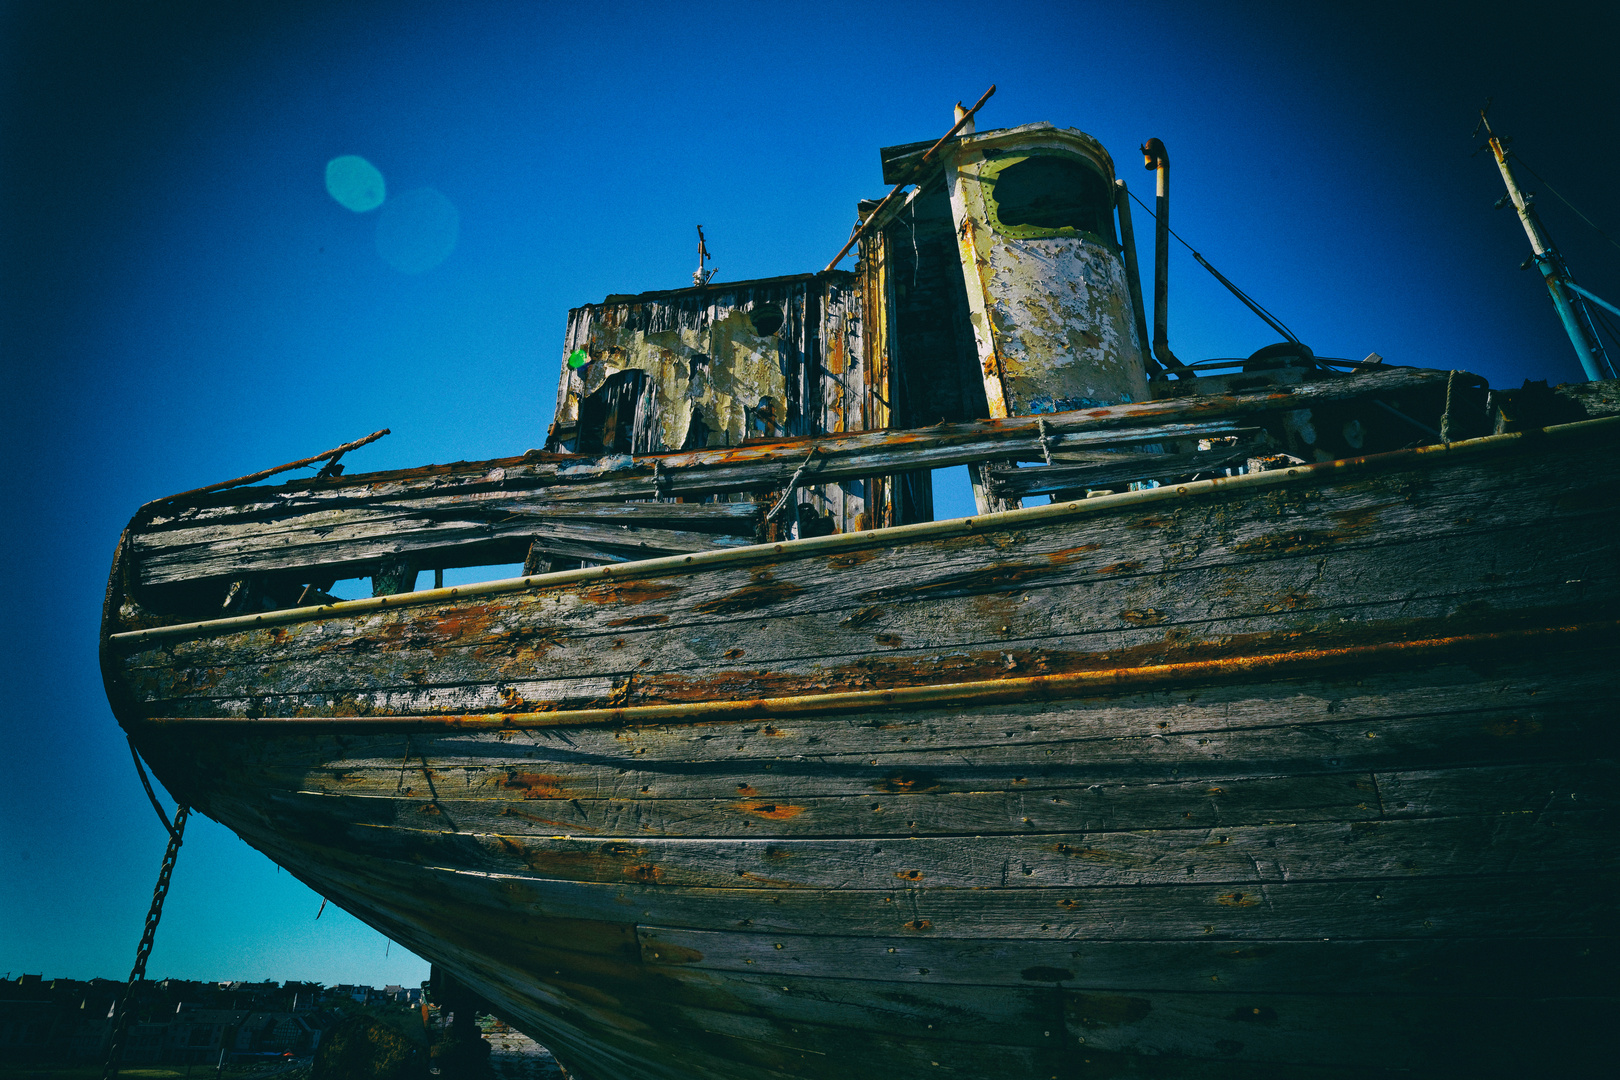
355	183
417	231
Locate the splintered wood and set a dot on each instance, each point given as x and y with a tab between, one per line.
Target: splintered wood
1329	791
572	506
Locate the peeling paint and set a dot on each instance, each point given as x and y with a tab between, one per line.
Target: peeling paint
1051	305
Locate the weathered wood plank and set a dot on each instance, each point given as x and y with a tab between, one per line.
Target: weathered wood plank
621	995
1519	686
1077	806
948	1014
1016	1015
1131	468
1457	1036
876	991
1300	525
847	456
932	638
1220	733
1122	654
515	803
1437	712
540	663
1374	1032
1241	856
340	540
810	1051
766	467
1482	737
1050	558
1555	967
201	528
1405	907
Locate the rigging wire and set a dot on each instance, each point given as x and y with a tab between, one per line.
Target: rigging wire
1603	320
1520	159
1593	318
150	794
1247	300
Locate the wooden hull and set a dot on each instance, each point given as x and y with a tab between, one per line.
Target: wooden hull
1301	774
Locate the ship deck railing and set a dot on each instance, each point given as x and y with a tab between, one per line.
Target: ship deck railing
269	547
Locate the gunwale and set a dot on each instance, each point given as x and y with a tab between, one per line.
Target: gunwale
1318	473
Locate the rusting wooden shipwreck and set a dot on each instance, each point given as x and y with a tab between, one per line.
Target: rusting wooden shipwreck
1261	723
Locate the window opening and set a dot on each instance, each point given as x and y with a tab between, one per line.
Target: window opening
767	318
607	418
1049	192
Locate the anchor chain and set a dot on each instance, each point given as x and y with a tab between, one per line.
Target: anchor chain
154	913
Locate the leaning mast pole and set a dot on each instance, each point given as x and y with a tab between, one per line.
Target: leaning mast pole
1567	298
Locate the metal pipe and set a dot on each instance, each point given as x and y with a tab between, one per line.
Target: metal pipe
1592	296
837	543
1069	684
1156	158
1133	276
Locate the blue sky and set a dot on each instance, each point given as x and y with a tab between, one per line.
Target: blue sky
183	301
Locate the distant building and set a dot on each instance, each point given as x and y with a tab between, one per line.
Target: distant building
277	1033
197	1036
175	1021
145	1044
25	1026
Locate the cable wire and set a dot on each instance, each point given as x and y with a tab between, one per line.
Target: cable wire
1603	320
1247	300
150	794
1520	159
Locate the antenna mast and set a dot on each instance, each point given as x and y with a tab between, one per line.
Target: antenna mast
1570	299
701	276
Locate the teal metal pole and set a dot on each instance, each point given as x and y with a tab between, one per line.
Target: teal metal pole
1588	349
1582	335
1594	297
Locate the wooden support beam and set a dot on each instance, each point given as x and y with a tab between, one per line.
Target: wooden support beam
461	514
760	467
1117	469
358	539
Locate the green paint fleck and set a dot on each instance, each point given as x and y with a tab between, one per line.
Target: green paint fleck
578	359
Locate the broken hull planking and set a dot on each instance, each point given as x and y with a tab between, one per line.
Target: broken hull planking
1210	867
